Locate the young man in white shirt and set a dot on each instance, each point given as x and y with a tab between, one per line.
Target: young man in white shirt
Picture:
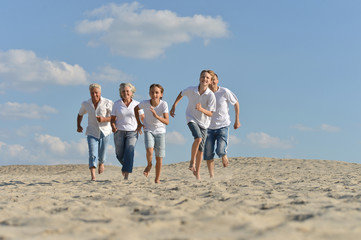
218	130
201	105
99	129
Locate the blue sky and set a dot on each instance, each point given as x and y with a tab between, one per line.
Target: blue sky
294	65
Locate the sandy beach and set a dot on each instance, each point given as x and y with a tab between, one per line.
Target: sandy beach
253	198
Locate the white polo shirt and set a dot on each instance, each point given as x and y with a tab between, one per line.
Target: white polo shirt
208	102
151	124
220	117
126	120
104	109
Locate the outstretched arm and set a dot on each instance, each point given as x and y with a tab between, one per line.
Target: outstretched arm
237	124
172	111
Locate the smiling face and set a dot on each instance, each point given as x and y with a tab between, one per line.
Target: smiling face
205	79
95	94
214	82
155	94
126	94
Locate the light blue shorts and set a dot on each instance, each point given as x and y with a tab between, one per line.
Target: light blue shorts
156	141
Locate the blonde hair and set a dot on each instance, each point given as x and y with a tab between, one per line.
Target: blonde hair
211	72
123	85
95	85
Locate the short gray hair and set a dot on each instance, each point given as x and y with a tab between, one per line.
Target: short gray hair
94	85
123	85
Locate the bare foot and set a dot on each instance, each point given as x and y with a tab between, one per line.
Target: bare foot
157	181
147	170
197	175
101	168
225	161
192	166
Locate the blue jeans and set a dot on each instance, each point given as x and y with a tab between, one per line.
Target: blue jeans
97	149
156	141
198	132
221	136
124	142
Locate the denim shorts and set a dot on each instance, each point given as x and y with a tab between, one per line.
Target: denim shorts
198	132
97	149
156	141
221	137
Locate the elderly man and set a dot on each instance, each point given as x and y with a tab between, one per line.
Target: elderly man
99	110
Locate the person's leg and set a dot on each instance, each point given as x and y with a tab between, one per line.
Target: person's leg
194	150
103	143
158	168
210	165
222	145
119	143
199	156
196	133
159	147
130	141
93	154
149	145
209	151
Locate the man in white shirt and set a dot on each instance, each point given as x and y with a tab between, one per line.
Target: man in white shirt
99	110
218	129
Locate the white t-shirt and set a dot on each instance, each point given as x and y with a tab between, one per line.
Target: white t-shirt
104	109
151	124
208	102
125	115
220	117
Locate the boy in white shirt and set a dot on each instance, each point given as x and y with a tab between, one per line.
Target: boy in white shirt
201	105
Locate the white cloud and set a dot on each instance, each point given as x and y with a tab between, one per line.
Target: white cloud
175	138
22	69
109	74
11	151
14	110
234	140
131	31
323	127
53	144
263	140
329	128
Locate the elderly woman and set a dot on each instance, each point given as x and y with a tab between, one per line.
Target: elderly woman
98	130
124	126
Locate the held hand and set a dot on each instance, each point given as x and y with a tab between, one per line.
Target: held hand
80	129
114	128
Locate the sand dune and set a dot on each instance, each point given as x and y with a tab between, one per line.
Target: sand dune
254	198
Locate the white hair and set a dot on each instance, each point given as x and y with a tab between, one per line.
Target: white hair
95	85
